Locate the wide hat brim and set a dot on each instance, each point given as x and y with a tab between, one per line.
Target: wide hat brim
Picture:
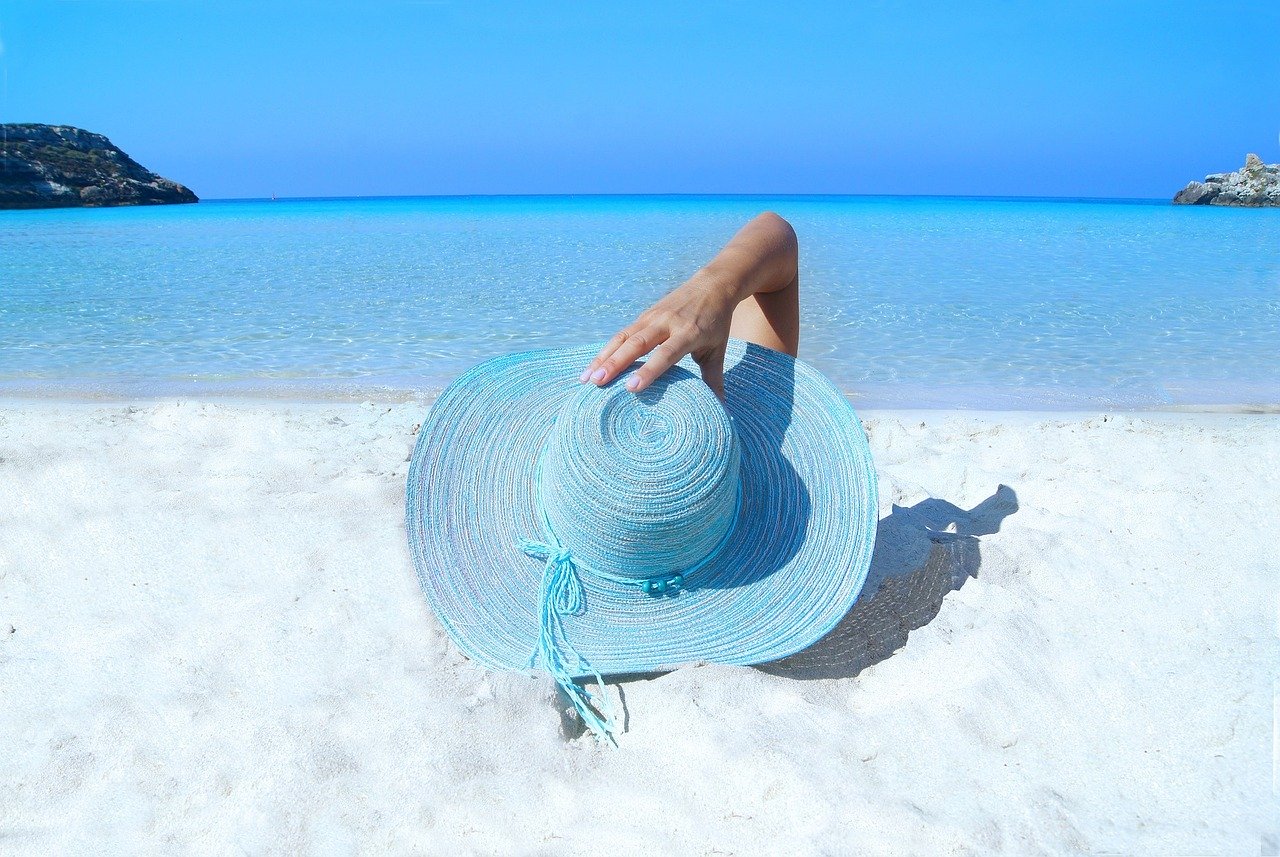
790	569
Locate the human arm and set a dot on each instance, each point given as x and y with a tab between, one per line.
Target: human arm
749	290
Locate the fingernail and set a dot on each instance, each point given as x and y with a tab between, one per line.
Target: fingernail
597	375
586	373
632	383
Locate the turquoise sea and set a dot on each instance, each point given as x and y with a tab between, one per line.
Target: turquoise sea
907	301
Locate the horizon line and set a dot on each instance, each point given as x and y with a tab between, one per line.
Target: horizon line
683	195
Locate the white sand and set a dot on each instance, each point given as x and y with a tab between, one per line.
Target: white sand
212	641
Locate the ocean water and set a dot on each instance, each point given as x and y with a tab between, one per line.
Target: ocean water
906	301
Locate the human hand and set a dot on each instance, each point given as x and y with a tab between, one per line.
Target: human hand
692	319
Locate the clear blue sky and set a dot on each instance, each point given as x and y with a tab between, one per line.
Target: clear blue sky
235	99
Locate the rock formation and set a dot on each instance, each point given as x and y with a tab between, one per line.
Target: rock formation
54	166
1257	184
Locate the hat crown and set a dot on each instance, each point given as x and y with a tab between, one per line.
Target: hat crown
641	484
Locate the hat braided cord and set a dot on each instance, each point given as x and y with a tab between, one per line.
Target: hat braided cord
560	594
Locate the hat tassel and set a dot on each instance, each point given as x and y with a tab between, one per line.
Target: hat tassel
561	594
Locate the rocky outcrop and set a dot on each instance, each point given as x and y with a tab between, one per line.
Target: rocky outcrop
1257	184
55	166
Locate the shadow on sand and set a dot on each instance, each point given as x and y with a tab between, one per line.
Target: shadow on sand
922	552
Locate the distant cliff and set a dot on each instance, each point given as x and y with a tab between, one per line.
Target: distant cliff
55	166
1257	184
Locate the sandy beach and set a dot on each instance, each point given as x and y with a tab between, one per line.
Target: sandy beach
212	641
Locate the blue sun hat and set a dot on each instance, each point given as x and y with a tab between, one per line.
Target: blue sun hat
589	531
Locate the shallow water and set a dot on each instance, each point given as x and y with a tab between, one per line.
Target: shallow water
907	301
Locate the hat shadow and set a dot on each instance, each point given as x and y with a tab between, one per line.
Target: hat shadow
922	552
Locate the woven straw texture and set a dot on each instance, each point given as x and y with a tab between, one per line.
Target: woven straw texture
791	545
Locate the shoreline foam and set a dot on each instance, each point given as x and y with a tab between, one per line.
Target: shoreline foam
320	394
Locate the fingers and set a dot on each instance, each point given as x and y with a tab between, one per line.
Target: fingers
631	349
664	350
609	347
664	356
